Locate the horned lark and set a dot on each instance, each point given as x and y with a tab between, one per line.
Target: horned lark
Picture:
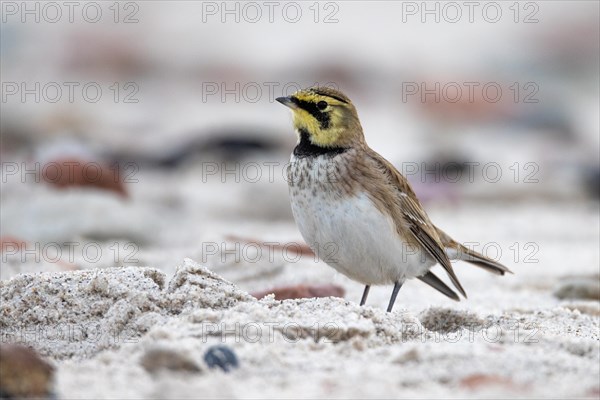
353	206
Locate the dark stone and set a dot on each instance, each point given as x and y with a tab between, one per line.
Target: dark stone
221	357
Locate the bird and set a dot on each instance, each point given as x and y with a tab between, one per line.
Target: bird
355	210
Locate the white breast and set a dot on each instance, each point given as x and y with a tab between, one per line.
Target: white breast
349	233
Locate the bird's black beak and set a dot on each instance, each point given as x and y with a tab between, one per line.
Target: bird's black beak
288	102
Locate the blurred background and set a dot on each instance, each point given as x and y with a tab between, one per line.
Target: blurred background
139	133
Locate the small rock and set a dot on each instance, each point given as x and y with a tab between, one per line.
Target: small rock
23	373
156	360
73	172
221	357
407	356
302	292
580	287
478	381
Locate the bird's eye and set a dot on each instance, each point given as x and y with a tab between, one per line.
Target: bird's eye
322	105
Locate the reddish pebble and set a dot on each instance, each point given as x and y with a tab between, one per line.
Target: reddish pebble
72	172
478	381
23	373
302	292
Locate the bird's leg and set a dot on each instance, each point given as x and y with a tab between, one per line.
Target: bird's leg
397	287
363	300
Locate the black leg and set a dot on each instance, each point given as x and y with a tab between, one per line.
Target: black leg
397	287
365	294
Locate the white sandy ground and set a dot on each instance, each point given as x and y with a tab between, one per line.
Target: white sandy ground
513	337
98	324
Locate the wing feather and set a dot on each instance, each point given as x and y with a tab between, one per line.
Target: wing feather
436	283
412	219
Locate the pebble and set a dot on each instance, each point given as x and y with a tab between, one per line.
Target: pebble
302	292
221	357
582	287
73	172
480	381
156	360
23	373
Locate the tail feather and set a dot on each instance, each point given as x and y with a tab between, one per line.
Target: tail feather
436	283
457	251
462	253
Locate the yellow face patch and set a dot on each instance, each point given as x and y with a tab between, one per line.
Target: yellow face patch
325	135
